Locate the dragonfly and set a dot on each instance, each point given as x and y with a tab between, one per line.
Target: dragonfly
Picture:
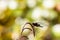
32	28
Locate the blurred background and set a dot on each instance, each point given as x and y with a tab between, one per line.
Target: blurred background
15	13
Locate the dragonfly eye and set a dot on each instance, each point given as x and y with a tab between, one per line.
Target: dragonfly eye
36	24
